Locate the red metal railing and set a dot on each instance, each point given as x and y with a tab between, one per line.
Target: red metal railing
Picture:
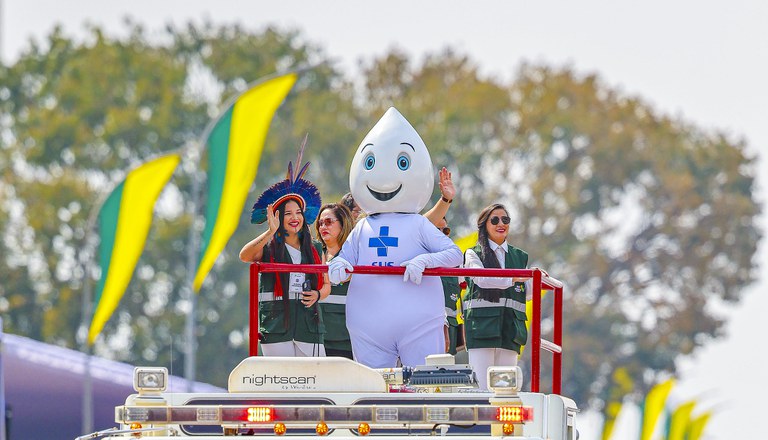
541	281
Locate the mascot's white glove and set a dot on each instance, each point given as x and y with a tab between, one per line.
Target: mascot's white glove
415	267
337	270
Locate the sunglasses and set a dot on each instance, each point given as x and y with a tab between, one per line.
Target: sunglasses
327	222
495	220
446	230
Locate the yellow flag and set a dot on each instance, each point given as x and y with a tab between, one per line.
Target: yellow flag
697	425
621	385
459	310
234	151
653	406
680	420
466	242
612	411
463	243
124	221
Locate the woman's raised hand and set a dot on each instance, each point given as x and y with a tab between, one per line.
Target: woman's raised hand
446	184
272	221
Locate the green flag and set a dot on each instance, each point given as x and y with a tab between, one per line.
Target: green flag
124	221
234	150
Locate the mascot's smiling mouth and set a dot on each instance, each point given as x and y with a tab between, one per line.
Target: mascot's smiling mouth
384	196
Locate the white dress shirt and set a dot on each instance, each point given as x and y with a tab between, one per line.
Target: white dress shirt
472	260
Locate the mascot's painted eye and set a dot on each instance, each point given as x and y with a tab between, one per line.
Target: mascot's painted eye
369	162
403	162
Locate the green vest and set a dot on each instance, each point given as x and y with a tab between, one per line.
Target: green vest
451	291
498	325
306	324
335	319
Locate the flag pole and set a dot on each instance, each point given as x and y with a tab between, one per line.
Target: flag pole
86	257
2	385
193	248
190	339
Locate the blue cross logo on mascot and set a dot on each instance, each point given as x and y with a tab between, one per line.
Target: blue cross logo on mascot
381	243
388	317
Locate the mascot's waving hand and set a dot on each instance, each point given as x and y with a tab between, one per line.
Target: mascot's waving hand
391	179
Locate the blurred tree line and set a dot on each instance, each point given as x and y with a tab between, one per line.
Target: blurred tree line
650	221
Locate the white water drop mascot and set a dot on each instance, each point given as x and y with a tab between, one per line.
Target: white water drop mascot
390	317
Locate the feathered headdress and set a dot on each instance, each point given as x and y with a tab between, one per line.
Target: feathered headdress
304	192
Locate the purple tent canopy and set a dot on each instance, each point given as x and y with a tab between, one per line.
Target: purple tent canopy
44	389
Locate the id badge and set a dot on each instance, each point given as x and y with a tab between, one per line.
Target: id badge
297	280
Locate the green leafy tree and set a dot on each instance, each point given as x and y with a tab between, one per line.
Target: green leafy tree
650	220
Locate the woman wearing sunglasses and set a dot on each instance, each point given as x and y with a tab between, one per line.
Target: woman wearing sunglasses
494	317
333	226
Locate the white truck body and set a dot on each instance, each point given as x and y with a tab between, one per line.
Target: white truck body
301	394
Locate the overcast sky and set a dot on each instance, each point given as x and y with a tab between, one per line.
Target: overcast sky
704	61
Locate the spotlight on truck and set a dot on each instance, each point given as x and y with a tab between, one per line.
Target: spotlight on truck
505	381
148	380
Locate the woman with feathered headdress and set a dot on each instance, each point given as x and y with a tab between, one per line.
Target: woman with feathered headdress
290	321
